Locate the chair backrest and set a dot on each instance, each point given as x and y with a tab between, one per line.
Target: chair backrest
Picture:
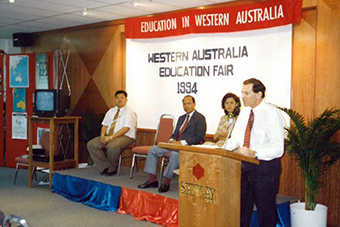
136	124
165	128
45	143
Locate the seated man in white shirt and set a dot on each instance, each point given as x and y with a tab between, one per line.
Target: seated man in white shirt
118	131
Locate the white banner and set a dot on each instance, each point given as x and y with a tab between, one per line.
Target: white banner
160	72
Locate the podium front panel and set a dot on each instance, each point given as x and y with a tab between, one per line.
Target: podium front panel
209	190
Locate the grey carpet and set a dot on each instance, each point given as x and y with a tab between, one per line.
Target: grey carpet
122	180
41	208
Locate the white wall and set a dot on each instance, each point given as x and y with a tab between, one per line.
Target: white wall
7	46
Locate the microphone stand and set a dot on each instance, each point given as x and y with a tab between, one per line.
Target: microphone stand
231	116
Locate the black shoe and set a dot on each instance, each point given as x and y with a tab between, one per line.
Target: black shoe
105	171
149	185
164	188
110	173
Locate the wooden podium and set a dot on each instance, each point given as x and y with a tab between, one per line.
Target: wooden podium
209	185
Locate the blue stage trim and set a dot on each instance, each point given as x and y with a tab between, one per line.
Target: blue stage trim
107	197
91	193
283	212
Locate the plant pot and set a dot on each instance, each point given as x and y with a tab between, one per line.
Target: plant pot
300	217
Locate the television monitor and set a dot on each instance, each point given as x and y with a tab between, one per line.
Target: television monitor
50	103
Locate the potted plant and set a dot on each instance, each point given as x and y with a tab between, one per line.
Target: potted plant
89	127
311	143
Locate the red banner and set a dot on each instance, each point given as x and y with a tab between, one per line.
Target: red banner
259	15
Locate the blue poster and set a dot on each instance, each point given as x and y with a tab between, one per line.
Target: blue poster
18	72
19	99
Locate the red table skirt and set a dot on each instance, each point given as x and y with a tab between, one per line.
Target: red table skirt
147	206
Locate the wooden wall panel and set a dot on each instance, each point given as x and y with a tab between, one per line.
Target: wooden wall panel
76	67
303	65
95	65
327	92
302	93
46	42
309	3
109	73
328	59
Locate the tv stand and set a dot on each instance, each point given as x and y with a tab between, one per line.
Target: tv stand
54	124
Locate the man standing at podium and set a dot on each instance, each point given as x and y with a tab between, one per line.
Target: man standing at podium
118	131
190	129
258	133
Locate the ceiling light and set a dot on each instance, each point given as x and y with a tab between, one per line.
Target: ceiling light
11	1
84	12
139	2
134	3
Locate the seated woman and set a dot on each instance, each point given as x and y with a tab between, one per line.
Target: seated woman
231	105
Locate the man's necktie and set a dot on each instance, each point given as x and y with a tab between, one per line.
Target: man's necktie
246	142
113	125
183	128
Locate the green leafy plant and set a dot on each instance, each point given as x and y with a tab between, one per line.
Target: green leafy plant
89	128
311	143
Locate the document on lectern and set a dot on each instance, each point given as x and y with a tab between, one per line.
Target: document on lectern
208	145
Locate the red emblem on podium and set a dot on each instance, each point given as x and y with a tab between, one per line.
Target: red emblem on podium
198	171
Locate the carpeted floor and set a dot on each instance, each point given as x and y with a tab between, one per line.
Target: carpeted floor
41	208
122	180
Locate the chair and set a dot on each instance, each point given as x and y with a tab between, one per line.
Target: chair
165	160
130	147
24	159
12	220
164	131
121	157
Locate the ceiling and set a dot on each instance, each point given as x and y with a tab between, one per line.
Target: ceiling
43	15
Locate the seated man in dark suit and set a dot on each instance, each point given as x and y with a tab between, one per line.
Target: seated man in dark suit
190	129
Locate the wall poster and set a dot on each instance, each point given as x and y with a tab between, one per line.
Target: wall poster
19	126
19	99
41	75
19	71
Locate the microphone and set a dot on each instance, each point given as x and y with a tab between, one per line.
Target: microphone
233	119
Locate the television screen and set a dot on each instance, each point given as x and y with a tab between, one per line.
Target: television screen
50	103
44	101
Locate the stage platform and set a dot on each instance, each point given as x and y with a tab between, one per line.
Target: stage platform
121	194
